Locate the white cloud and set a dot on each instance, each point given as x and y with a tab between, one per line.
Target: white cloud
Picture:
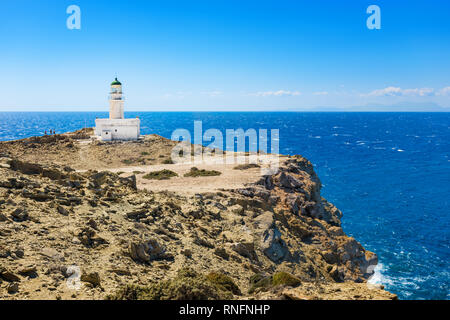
177	95
423	92
398	92
213	93
320	93
278	93
444	92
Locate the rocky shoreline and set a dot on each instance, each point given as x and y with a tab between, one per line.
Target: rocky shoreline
271	238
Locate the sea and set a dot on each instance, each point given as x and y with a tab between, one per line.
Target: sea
389	173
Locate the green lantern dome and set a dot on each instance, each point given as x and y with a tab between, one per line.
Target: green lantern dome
116	83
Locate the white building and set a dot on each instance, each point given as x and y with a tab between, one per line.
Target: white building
117	127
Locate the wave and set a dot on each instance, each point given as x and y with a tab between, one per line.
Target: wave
378	277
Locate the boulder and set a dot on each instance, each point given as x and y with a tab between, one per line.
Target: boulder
91	277
137	214
330	257
7	275
273	246
13	288
99	178
129	181
19	215
337	273
287	181
221	252
186	252
4	252
29	271
89	238
92	223
245	249
62	210
270	238
52	254
3	218
146	251
25	167
38	196
293	202
237	209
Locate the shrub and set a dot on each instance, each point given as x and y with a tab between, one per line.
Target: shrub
187	285
223	282
285	279
195	172
160	175
127	161
247	166
259	281
262	282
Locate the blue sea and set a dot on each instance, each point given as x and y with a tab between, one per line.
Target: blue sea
389	173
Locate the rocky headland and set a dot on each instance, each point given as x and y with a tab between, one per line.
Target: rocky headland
82	219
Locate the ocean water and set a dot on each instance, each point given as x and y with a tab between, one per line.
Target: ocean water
389	173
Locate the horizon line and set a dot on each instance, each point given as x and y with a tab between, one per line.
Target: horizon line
444	110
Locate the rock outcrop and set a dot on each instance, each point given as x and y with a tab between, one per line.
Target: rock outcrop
276	238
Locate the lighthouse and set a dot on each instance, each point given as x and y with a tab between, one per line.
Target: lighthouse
116	101
116	127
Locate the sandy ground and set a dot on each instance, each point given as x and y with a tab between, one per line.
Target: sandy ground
150	153
229	179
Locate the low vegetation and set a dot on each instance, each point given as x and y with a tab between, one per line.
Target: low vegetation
128	161
263	283
187	285
246	166
285	279
160	175
223	282
195	172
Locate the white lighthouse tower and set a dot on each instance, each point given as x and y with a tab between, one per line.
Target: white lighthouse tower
117	127
116	101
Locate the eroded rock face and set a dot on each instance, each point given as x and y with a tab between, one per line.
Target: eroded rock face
302	217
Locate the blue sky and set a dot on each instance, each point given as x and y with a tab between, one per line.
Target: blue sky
225	55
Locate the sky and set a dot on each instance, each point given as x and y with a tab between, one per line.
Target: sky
225	55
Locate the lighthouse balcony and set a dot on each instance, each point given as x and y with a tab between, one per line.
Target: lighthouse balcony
116	97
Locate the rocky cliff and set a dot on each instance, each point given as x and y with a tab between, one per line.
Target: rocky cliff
273	238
